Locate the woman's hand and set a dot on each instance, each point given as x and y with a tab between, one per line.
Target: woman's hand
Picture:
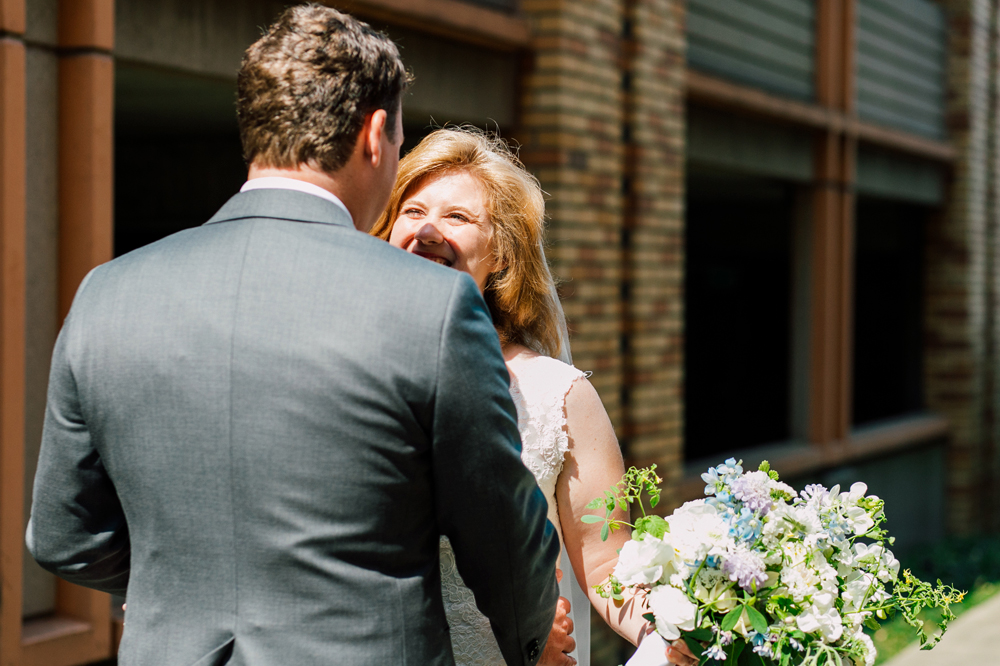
678	653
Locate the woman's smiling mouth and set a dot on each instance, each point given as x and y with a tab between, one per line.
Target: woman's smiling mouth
433	257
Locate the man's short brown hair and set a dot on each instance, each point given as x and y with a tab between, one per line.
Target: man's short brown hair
306	87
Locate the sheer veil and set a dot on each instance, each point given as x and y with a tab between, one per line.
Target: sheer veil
569	587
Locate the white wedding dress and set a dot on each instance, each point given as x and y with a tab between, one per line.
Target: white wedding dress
538	387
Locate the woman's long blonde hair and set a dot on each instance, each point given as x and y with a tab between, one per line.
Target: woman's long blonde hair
520	294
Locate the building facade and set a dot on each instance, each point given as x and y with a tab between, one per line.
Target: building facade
775	223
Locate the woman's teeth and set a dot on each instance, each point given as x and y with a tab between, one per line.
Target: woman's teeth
440	260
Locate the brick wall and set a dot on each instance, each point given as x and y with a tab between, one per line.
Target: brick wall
602	126
570	131
654	238
956	268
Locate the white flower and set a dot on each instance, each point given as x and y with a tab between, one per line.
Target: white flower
876	559
784	490
869	648
822	619
889	567
697	530
720	596
647	560
673	611
858	589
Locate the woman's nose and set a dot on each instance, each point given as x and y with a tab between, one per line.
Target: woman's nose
428	233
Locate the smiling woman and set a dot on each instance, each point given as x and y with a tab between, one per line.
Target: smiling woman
463	200
463	172
445	220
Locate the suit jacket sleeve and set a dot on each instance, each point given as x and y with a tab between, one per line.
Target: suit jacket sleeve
488	503
77	528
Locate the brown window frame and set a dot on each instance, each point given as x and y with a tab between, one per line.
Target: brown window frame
838	130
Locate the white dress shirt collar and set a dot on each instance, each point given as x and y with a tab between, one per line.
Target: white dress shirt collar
282	183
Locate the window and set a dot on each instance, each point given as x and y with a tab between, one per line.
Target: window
888	313
738	298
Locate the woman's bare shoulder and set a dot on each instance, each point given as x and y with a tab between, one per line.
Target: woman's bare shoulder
517	354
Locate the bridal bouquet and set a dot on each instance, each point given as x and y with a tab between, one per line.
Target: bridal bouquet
757	573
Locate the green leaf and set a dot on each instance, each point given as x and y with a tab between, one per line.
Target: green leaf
732	617
757	620
649	617
744	657
700	634
654	525
653	501
592	519
595	503
604	532
872	624
734	652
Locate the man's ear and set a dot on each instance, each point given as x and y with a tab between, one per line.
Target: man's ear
372	133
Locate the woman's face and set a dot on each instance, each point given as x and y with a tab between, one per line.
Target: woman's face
445	220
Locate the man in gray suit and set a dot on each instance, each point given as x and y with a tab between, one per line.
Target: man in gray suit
258	428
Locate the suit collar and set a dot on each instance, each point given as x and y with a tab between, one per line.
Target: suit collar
280	204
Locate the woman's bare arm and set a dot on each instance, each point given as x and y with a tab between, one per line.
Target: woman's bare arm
593	464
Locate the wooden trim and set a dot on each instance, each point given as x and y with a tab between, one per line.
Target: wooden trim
67	649
12	16
449	18
87	24
939	151
712	91
830	63
799	459
845	304
833	249
80	630
86	234
825	283
117	629
12	341
45	629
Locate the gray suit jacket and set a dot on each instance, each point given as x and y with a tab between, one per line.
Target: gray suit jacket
258	429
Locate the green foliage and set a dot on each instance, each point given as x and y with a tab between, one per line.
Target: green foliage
766	467
622	496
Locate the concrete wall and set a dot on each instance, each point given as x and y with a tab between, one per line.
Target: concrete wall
913	487
453	82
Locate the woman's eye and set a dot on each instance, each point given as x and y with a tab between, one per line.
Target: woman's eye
460	217
412	211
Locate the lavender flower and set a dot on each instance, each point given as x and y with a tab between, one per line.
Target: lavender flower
745	567
754	490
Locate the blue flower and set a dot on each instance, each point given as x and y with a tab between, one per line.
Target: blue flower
715	652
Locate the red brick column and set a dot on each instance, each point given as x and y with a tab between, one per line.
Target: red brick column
654	223
956	268
570	130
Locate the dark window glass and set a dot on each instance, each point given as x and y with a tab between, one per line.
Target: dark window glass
888	316
738	251
177	152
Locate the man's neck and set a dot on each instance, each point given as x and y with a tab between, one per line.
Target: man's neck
334	184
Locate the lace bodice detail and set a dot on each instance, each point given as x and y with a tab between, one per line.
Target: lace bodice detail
538	387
